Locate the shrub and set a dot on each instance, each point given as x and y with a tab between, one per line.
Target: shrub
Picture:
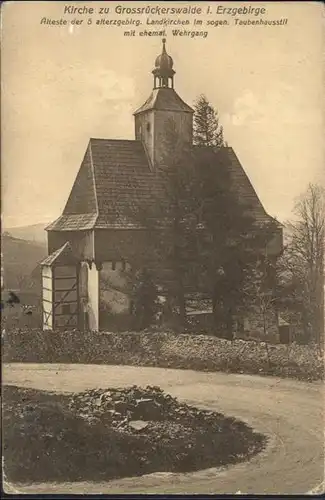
145	300
196	352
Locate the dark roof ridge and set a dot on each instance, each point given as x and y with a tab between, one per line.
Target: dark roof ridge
93	177
112	140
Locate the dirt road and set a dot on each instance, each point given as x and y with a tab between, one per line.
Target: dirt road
291	413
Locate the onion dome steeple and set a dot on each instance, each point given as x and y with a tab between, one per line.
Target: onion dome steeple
163	71
163	105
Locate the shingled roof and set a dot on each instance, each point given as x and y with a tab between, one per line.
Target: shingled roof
123	181
115	177
62	255
164	99
241	183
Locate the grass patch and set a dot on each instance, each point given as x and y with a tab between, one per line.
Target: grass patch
104	434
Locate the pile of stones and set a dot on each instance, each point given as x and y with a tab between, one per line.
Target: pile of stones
132	409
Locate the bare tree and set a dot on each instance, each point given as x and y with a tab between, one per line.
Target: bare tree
305	259
262	297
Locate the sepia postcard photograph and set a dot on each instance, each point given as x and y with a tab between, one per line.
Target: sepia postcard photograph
162	247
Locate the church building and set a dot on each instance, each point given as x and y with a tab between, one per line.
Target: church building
96	232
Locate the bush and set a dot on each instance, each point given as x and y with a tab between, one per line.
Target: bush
196	352
145	300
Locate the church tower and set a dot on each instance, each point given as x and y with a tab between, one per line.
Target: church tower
162	108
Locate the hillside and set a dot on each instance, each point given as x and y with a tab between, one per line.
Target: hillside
20	263
32	233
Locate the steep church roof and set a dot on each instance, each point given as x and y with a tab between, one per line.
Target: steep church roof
164	99
115	176
241	183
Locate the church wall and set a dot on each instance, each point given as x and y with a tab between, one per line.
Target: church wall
93	298
183	124
151	126
119	244
144	131
114	289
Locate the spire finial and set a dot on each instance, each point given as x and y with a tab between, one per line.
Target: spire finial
163	71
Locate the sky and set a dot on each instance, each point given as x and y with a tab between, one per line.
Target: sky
62	85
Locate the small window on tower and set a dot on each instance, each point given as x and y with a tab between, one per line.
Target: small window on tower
148	127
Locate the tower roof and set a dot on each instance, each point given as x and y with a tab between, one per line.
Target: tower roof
164	99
